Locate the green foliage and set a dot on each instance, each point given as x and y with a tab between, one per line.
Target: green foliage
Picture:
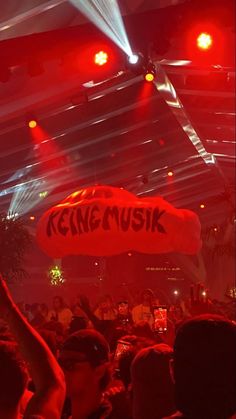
219	240
15	239
55	275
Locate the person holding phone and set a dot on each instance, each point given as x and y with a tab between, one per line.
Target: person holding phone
124	317
85	360
160	319
144	310
106	309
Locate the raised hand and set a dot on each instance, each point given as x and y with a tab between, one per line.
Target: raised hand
199	301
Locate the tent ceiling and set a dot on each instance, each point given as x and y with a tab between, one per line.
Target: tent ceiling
115	130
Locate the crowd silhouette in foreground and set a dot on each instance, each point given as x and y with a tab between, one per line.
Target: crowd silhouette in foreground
117	361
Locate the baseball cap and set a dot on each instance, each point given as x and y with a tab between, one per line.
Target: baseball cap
90	344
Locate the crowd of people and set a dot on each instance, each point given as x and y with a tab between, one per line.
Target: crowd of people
117	361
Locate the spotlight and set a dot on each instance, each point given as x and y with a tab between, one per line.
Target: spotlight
12	216
133	59
32	123
32	218
43	194
176	292
136	63
100	58
202	206
149	77
170	173
150	73
204	41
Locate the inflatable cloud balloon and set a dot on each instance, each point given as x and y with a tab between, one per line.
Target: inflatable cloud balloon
104	221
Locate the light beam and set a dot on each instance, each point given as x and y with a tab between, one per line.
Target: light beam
107	17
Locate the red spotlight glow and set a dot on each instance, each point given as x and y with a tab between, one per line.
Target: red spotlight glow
32	218
202	206
170	173
204	41
100	58
32	123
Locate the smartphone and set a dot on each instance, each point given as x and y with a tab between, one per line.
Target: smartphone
121	347
160	319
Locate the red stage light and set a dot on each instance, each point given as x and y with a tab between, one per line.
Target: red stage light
150	72
32	123
204	41
202	206
100	58
149	77
170	173
32	218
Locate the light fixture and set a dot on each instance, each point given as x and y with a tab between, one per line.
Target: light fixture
170	173
202	206
43	194
136	63
204	41
149	76
32	123
101	58
12	215
133	59
150	72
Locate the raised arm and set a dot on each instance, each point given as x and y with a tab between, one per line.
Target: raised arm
85	306
48	399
